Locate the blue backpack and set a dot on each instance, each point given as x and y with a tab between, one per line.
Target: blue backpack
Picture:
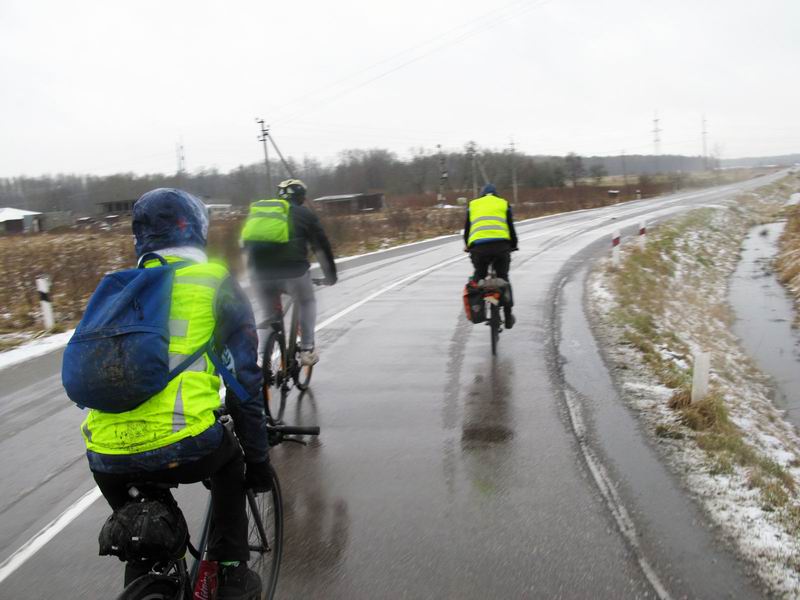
118	356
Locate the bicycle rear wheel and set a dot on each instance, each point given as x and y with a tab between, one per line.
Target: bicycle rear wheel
265	536
273	368
494	326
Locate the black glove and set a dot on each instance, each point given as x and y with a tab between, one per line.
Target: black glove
258	476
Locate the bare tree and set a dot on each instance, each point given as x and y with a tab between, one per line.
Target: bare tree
597	172
574	167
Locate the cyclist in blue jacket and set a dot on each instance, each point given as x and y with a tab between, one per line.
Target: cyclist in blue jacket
174	436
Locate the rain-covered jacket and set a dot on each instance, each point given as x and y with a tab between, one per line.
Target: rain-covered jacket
178	229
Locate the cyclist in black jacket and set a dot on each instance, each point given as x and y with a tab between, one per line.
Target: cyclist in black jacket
282	266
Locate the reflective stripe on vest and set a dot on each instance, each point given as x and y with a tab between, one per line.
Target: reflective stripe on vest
487	219
186	406
267	221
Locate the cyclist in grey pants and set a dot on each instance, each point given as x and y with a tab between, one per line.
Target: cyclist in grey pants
283	267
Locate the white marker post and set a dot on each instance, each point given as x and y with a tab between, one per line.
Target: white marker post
642	234
615	237
43	286
702	366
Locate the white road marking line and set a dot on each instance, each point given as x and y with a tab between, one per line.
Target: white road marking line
47	533
385	289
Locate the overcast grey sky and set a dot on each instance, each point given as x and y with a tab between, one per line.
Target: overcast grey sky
99	86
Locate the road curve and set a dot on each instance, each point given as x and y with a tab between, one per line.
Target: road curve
441	472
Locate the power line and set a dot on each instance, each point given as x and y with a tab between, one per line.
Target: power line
656	136
392	57
181	159
705	153
484	26
656	140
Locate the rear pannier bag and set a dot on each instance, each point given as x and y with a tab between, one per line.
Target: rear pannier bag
474	306
145	530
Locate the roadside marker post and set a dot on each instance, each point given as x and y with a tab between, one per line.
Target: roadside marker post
615	237
43	287
702	366
642	234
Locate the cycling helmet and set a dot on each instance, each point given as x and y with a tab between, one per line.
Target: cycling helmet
489	189
293	190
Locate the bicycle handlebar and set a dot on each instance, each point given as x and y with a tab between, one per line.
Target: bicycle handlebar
293	430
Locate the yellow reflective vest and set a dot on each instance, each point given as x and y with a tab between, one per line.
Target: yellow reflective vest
487	219
268	221
186	406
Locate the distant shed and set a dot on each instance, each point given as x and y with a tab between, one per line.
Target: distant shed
117	207
343	204
16	220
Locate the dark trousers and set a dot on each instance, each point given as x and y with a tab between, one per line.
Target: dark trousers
497	253
225	468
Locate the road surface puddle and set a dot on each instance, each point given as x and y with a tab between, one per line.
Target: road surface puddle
476	435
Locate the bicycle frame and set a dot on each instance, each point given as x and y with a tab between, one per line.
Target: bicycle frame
290	372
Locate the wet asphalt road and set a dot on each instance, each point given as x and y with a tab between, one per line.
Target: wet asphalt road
441	472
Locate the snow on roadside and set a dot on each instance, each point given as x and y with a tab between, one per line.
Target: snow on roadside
694	313
37	347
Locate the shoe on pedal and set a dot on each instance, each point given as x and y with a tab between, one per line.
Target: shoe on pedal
238	583
309	357
510	320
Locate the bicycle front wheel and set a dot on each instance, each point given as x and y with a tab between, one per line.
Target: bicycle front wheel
273	368
265	537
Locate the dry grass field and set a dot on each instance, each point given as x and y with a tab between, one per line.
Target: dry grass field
76	260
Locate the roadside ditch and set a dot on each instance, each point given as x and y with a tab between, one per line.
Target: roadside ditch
735	450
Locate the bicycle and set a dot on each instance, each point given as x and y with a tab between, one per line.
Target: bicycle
494	294
280	365
173	580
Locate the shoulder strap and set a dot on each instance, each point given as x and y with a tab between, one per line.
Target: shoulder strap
230	381
228	377
147	257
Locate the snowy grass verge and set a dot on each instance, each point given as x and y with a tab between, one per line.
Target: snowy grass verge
34	348
734	449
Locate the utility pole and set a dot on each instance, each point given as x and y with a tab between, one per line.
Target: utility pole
656	140
705	150
263	138
442	174
514	170
624	172
473	158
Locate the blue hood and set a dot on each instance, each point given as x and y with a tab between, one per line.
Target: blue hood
489	189
168	218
